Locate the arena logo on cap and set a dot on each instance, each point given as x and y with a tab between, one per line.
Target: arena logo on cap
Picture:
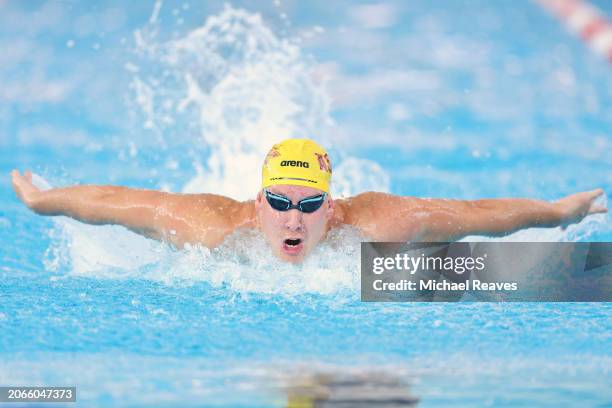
294	163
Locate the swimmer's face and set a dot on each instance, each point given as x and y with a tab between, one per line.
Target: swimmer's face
293	234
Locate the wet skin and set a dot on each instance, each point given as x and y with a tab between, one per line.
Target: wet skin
206	219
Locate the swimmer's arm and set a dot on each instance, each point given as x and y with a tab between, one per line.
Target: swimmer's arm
175	218
385	217
450	220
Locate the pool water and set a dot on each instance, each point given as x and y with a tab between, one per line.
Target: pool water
417	101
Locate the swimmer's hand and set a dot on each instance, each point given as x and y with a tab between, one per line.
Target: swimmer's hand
27	192
573	208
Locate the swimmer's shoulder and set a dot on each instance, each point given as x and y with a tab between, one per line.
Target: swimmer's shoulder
224	212
210	218
380	216
356	209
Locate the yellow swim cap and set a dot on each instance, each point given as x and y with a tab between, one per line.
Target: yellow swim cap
298	162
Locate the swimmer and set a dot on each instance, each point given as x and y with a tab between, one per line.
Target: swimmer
295	210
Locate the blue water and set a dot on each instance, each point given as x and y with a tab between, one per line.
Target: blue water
472	99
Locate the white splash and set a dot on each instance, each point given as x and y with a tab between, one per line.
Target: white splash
241	88
244	262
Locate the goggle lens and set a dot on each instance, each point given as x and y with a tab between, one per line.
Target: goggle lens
307	205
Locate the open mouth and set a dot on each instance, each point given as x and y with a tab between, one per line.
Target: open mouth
293	242
293	247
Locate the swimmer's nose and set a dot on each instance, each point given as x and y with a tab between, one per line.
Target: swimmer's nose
294	220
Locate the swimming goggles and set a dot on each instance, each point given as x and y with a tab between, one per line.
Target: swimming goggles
307	205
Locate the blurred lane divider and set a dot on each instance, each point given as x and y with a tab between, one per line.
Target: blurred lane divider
586	21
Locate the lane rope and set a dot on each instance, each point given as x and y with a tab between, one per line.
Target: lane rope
585	21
